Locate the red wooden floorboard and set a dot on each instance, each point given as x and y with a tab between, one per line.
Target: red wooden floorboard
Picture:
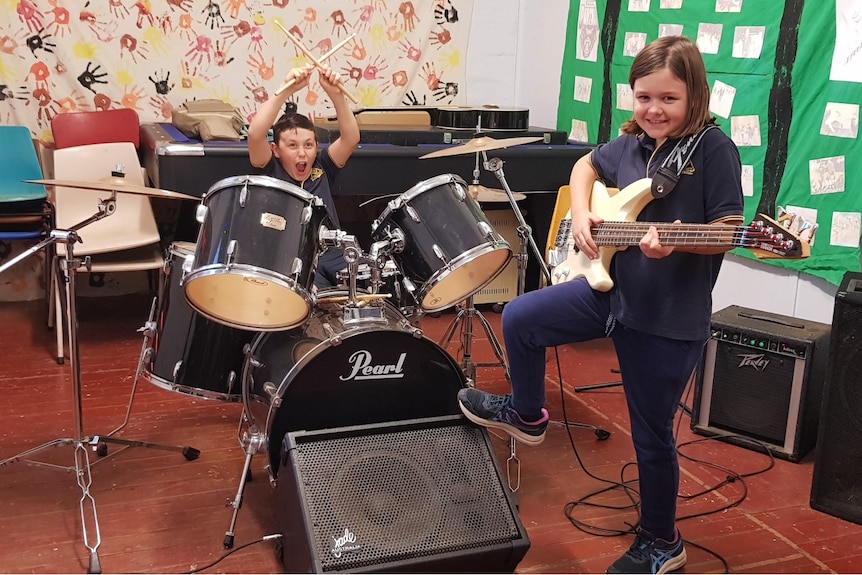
159	513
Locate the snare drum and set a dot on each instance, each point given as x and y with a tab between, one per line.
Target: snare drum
191	354
328	374
390	283
257	247
451	251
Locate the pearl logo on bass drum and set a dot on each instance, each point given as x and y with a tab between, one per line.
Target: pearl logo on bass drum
362	368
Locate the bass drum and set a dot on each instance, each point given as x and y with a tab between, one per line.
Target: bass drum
327	374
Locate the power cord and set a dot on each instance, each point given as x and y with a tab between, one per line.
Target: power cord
232	551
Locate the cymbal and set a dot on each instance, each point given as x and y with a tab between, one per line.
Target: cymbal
481	144
483	194
114	184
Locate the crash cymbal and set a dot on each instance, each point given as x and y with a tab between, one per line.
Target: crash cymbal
480	144
482	194
114	184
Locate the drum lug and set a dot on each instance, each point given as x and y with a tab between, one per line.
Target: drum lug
201	213
243	195
440	255
296	268
231	252
414	215
331	337
272	391
177	367
460	192
231	379
307	212
486	230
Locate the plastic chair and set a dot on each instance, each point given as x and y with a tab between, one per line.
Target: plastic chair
25	211
128	239
84	128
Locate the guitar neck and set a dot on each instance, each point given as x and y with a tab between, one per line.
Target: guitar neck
689	235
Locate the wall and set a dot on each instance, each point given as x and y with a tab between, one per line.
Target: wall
514	59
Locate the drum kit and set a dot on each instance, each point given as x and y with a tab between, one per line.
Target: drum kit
237	318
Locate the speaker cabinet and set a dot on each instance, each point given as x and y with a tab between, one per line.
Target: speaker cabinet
504	287
837	481
761	378
416	495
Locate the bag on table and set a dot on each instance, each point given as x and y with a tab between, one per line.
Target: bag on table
208	120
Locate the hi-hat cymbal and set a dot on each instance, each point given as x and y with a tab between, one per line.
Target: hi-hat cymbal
481	144
114	184
483	194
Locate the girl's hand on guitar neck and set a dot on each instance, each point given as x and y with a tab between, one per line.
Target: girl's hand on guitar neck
651	246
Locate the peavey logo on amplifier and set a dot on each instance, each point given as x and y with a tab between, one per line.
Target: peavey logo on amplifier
756	360
344	544
362	367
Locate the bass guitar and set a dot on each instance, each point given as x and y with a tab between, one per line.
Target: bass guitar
619	208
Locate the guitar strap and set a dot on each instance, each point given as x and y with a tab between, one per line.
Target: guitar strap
668	173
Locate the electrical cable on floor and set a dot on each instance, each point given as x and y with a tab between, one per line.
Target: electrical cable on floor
232	551
633	494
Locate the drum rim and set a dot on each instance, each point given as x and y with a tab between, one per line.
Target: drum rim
416	190
259	180
468	256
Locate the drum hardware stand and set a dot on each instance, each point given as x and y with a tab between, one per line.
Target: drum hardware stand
68	265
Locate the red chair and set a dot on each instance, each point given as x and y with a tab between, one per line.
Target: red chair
108	126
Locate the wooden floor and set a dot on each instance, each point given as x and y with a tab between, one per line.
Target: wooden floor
158	513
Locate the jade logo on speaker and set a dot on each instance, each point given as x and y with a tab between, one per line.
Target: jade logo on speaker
345	543
756	360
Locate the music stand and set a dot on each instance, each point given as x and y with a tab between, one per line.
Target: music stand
68	265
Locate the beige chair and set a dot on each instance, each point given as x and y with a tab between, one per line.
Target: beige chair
127	240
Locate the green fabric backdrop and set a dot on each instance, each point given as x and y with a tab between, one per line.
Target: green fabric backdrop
787	88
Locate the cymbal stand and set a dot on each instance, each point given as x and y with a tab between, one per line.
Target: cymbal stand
68	265
466	313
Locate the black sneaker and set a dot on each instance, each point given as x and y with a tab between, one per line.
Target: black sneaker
649	554
496	411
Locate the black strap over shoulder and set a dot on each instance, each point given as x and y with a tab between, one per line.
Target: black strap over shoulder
667	175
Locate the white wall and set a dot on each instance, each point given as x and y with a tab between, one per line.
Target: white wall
514	59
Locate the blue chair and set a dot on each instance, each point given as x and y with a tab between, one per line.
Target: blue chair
25	210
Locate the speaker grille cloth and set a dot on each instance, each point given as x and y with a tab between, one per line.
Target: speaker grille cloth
841	445
752	402
402	495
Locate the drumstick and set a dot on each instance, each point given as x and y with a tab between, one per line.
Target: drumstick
359	297
314	60
323	58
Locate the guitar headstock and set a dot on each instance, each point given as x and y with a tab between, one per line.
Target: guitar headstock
768	239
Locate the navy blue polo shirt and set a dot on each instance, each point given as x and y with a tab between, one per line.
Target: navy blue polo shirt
323	174
672	296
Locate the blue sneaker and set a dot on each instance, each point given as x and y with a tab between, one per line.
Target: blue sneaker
649	554
489	410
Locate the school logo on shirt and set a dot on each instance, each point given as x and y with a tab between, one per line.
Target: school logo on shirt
316	173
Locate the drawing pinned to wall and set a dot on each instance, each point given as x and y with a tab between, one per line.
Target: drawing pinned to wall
709	38
625	98
847	57
721	99
748	41
583	89
728	6
748	180
826	175
588	31
638	5
846	228
670	30
578	132
840	120
634	43
745	130
670	4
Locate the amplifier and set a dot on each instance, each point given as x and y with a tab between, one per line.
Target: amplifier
761	381
504	287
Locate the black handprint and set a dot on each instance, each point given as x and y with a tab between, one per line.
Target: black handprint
213	12
442	15
162	86
39	42
89	77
